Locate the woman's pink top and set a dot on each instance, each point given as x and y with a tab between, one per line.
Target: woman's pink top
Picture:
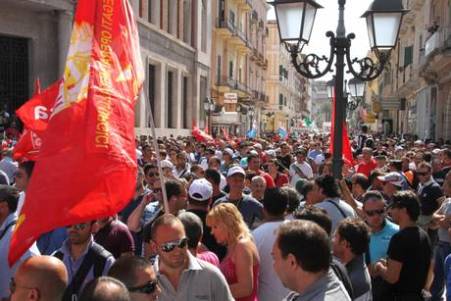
228	268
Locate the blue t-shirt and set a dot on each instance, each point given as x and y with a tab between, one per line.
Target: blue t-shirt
448	276
379	241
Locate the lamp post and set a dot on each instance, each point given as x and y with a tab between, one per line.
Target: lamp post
295	19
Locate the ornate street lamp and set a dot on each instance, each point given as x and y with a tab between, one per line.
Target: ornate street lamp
295	21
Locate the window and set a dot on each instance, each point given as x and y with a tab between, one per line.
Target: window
280	102
230	69
203	41
152	86
218	70
232	17
184	108
408	56
170	100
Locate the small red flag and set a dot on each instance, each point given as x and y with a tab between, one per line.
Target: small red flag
346	150
28	146
87	164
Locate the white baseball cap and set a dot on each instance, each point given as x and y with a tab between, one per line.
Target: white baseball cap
393	178
166	164
200	190
235	170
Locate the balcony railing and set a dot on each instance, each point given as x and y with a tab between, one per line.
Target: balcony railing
438	40
226	23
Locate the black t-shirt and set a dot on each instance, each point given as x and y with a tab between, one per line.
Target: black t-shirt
428	198
411	247
207	238
285	161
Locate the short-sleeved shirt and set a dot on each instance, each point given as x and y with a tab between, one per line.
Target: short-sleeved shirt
412	248
428	195
336	215
115	238
379	241
326	288
269	285
360	278
367	168
250	208
200	281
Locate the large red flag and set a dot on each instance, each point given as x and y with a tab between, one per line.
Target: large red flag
87	164
347	151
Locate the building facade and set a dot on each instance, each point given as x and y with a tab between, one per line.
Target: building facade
321	108
289	93
413	95
238	64
175	40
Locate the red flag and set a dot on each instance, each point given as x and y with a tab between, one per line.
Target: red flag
87	164
346	150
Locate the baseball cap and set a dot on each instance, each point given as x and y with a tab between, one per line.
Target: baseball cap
235	170
166	164
228	151
393	178
258	146
200	190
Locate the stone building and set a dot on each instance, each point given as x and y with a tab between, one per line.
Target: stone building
238	64
288	91
414	92
175	40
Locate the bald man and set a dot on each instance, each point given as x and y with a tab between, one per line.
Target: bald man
39	278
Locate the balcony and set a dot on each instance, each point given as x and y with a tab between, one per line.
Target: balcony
225	27
416	5
439	40
225	83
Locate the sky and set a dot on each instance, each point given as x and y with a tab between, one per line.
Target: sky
327	19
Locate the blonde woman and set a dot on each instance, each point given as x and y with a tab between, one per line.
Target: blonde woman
241	264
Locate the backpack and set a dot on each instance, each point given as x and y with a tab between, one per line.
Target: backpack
96	258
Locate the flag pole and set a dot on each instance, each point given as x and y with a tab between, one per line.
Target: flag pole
157	153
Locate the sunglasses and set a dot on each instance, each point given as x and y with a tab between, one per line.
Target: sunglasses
148	288
153	174
375	212
156	190
170	246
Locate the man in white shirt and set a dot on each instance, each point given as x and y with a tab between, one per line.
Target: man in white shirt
274	206
300	169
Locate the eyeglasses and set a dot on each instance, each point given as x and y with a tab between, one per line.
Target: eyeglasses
170	246
375	212
78	226
153	174
148	288
13	286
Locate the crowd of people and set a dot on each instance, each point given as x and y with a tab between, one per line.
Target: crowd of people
248	220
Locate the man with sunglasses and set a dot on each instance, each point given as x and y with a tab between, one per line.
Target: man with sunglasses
429	192
138	276
381	231
182	276
84	259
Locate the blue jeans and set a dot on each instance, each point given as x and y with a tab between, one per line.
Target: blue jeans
442	250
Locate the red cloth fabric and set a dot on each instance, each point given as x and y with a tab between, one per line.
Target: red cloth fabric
87	163
366	168
281	180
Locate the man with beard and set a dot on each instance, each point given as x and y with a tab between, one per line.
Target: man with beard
84	259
